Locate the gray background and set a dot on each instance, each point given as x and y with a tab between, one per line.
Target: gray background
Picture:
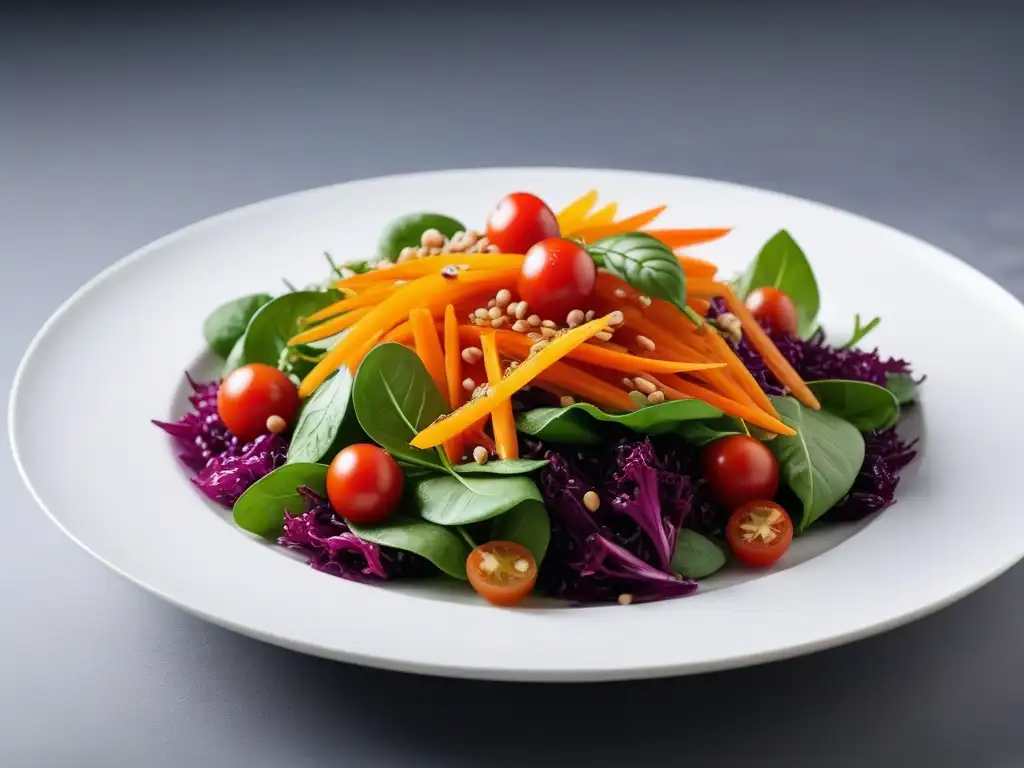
119	125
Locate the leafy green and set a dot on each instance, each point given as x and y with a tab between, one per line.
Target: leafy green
527	524
645	263
696	556
576	423
501	467
860	331
321	419
225	325
783	265
821	461
867	406
705	431
268	332
234	359
441	546
405	232
456	500
261	508
903	386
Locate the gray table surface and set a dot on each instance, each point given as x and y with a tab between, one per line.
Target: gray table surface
116	128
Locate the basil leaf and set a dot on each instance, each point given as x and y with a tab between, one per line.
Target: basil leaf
645	263
261	508
867	406
696	556
903	386
501	467
821	461
700	433
575	424
394	398
527	524
320	422
405	232
451	500
226	324
276	322
783	265
441	546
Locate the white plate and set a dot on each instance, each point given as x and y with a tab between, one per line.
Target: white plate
113	357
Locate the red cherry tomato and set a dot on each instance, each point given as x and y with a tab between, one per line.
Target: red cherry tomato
519	221
773	308
759	533
557	277
740	469
364	484
251	395
502	572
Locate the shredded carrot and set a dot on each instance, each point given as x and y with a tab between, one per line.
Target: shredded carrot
696	267
700	306
680	238
428	346
631	224
677	388
430	265
563	378
400	334
357	355
453	375
576	212
740	373
330	328
367	298
603	216
503	421
703	287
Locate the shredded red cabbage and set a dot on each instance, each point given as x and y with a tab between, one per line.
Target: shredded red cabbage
875	487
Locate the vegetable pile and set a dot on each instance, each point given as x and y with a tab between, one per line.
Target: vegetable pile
567	403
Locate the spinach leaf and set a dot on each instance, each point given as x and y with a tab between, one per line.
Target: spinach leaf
645	263
903	386
575	423
700	433
276	322
405	231
260	509
783	265
452	500
394	398
867	406
234	359
527	524
501	467
320	421
821	461
696	556
226	324
441	546
860	331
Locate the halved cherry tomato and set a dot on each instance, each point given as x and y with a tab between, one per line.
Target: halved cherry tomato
519	221
251	395
364	484
740	469
557	277
759	533
772	308
502	572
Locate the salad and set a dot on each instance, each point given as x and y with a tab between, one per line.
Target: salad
563	403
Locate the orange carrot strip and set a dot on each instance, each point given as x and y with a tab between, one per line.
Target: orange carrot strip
631	224
502	421
367	298
330	328
428	346
603	216
696	267
700	306
453	374
760	341
400	334
352	363
563	377
570	217
741	374
429	265
677	388
680	238
703	287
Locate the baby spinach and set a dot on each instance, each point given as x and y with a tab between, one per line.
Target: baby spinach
867	406
261	508
225	325
575	424
645	263
456	500
821	461
527	524
441	546
860	331
783	265
321	419
268	332
394	398
501	467
405	232
903	386
705	431
696	556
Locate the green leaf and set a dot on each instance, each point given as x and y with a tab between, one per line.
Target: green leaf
441	546
700	433
234	359
696	556
261	508
645	263
501	467
576	423
527	524
821	461
867	406
451	500
276	322
225	325
405	232
783	265
321	419
860	331
395	398
903	386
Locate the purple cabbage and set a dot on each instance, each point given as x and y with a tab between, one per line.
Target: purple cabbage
228	475
875	487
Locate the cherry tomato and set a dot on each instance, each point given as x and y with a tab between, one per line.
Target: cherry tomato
364	484
502	572
740	469
519	221
251	395
759	533
557	277
773	308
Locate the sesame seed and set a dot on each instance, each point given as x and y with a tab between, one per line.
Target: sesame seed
535	321
625	598
495	312
644	385
539	345
590	315
534	336
645	300
503	298
492	304
480	455
481	313
493	249
646	343
511	308
566	400
432	238
522	310
638	398
549	324
628	384
472	355
435	251
520	326
548	333
468	384
406	254
656	397
276	425
591	501
616	318
603	336
574	318
619	293
498	322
